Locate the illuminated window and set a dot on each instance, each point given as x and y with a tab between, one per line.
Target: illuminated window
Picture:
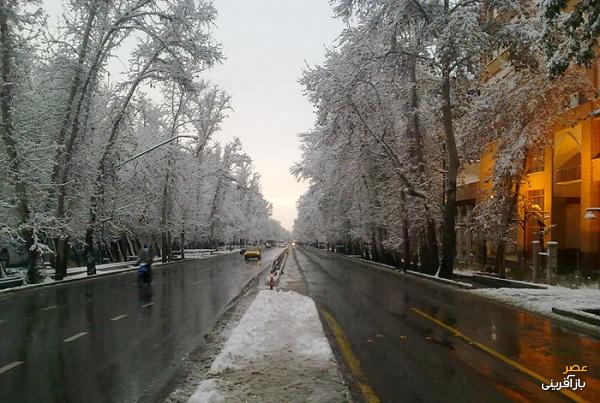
535	200
535	162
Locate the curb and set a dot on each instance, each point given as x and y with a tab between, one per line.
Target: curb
489	281
386	268
441	280
98	274
503	282
579	315
66	281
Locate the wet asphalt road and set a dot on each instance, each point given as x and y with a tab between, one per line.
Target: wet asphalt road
406	357
107	340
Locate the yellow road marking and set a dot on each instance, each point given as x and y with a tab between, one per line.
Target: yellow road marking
349	357
11	366
496	354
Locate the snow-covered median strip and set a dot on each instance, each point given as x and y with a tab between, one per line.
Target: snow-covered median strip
277	353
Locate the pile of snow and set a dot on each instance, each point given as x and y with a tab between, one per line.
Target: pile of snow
276	353
208	392
284	322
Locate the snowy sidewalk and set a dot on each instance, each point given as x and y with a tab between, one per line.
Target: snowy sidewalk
542	301
277	353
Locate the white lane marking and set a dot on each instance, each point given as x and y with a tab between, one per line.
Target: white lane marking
74	337
116	318
133	283
49	308
3	320
11	366
148	304
198	282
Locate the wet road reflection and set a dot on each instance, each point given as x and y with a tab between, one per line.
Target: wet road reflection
109	340
408	357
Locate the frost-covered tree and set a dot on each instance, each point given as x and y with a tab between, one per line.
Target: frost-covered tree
68	126
571	33
399	82
20	22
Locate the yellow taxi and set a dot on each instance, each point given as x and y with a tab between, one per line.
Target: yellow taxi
252	252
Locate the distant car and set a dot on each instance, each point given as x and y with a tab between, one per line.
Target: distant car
13	253
252	253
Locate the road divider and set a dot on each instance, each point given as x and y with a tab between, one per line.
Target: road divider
277	268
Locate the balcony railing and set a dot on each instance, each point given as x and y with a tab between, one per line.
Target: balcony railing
568	174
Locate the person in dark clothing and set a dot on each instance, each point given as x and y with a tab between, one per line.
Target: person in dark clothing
144	260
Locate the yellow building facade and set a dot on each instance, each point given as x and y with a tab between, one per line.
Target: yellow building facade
561	184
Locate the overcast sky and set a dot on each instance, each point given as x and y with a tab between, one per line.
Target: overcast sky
267	43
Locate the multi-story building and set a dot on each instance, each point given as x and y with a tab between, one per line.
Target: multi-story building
562	182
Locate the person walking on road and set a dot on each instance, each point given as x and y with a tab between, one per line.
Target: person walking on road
144	260
144	256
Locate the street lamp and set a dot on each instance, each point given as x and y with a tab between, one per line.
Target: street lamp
154	147
591	213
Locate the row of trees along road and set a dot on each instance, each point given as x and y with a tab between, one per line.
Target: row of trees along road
403	102
67	126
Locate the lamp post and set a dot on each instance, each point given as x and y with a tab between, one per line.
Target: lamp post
591	213
154	147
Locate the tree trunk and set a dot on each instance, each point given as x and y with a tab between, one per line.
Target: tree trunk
166	208
60	169
499	262
406	244
417	149
432	246
182	244
61	259
449	236
213	212
164	247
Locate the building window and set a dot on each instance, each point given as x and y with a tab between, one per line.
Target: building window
535	200
535	162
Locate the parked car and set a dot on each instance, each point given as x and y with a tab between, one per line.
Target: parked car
252	253
13	252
